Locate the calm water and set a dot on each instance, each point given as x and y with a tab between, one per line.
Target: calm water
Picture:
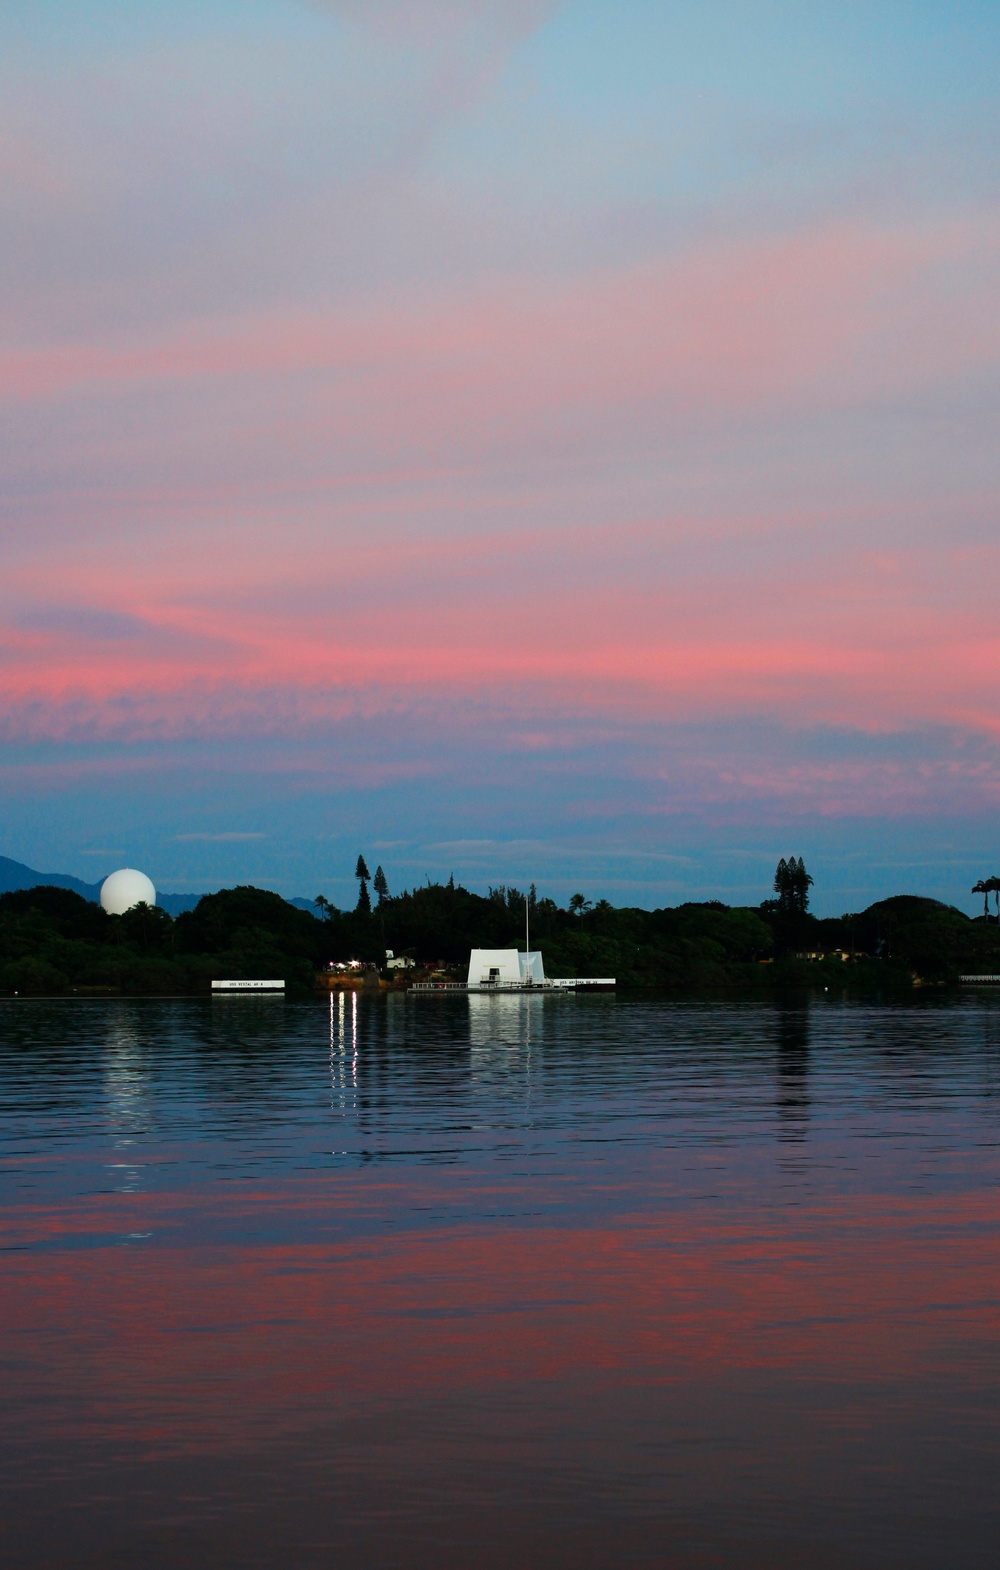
499	1282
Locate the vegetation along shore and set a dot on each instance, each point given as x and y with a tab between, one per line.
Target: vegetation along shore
55	942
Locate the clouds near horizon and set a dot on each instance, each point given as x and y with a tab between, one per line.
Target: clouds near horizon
424	365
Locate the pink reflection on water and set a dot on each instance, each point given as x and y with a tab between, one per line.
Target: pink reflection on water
179	1343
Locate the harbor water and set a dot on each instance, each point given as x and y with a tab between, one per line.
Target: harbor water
499	1281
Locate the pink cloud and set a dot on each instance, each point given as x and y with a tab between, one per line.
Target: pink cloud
585	658
366	510
734	325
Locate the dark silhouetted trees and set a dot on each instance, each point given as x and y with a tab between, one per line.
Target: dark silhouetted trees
364	905
986	887
53	941
792	884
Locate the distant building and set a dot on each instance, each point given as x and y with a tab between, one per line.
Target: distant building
505	967
125	889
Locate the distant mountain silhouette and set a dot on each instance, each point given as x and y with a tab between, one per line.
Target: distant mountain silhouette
15	875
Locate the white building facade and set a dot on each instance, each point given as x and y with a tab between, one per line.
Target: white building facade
505	968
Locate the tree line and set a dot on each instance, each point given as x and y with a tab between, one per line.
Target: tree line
55	941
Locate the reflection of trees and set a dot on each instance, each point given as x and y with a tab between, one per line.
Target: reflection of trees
793	1074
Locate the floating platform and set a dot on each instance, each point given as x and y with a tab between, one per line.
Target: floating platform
248	986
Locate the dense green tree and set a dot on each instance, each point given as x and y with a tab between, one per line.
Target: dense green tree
381	886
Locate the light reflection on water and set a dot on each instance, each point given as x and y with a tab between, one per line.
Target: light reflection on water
127	1098
500	1280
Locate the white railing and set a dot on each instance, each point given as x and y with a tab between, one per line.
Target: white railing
557	984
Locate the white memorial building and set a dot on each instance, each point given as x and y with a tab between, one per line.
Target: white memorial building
505	968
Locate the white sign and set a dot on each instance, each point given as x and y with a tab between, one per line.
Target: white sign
248	986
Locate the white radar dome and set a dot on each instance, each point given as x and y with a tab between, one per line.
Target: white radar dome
124	889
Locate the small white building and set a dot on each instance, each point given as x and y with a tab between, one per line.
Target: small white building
505	967
404	962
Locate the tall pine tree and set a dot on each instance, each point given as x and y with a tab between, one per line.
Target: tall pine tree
792	884
783	885
364	899
801	884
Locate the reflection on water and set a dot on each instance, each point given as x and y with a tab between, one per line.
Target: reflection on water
508	1019
127	1098
502	1030
344	1052
793	1074
499	1280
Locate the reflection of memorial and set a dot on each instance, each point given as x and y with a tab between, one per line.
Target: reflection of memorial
793	1075
127	1098
502	1029
503	1019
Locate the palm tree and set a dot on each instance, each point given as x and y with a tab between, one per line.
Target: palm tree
981	888
992	886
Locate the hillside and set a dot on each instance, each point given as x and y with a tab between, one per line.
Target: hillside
14	875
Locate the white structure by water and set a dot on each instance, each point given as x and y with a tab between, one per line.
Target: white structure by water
505	967
505	970
125	889
248	986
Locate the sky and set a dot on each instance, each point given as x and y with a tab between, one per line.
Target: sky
532	441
